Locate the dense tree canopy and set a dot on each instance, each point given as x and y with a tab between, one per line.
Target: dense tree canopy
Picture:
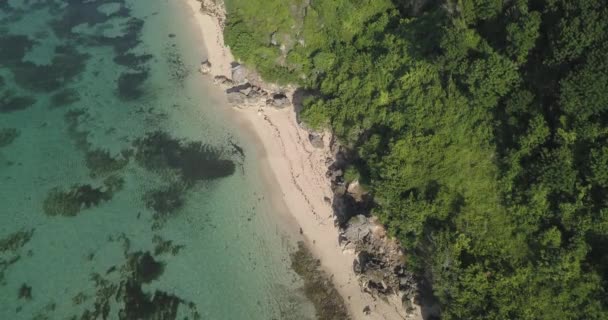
480	127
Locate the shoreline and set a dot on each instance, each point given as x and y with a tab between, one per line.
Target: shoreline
295	173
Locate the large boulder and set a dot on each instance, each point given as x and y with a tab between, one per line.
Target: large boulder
239	74
356	191
316	140
357	230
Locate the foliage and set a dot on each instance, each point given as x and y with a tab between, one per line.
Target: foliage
480	128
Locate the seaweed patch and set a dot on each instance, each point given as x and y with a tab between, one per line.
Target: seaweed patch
130	83
143	267
10	247
101	162
195	161
70	202
14	47
12	103
165	200
7	136
78	12
132	60
162	246
65	66
140	268
122	44
329	304
65	98
15	241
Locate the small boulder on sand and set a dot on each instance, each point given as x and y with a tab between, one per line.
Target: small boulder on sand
205	67
316	140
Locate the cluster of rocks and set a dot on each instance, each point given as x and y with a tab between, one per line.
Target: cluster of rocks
214	8
380	262
245	88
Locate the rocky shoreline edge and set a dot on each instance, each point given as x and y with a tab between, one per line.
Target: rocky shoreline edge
380	261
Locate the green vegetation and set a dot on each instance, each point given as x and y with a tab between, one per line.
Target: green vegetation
480	128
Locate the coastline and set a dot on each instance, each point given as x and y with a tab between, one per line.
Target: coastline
295	172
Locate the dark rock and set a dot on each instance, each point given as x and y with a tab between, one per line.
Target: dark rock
244	88
367	310
279	100
222	80
25	292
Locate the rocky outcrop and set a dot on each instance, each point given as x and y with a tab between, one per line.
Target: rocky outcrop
214	8
380	262
245	89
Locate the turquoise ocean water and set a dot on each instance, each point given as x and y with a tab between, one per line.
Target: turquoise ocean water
125	191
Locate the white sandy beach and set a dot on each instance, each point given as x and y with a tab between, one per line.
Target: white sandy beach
295	172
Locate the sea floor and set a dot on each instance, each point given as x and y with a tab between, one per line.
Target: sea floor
125	190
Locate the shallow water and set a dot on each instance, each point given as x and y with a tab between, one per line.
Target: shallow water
125	191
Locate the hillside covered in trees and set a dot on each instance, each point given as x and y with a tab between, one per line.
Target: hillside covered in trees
480	127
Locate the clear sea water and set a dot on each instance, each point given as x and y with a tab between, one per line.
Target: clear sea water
125	190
